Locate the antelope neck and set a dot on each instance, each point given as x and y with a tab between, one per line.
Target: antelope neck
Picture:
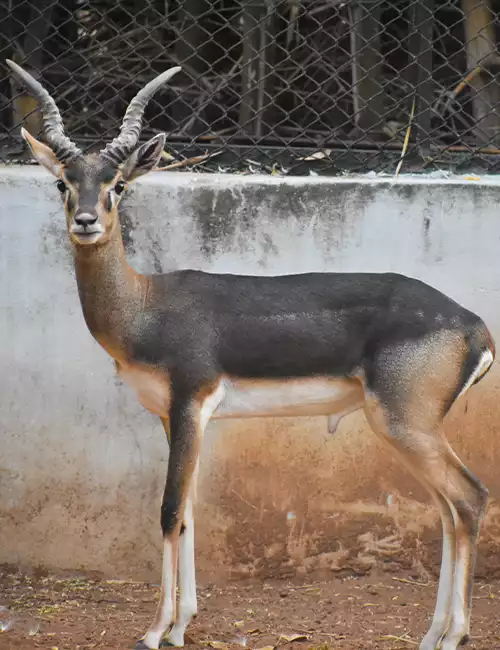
111	292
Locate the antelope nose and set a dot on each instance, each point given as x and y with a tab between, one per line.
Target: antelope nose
85	219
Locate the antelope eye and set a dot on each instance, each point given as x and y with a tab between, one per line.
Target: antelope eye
119	187
61	186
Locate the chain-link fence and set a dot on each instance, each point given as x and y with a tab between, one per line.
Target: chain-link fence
283	86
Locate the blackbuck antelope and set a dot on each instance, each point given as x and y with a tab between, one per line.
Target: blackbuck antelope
198	345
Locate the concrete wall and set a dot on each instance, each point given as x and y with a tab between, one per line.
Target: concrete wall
82	465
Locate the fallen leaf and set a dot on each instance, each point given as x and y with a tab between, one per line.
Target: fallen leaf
116	582
219	645
411	582
47	610
266	647
290	638
318	155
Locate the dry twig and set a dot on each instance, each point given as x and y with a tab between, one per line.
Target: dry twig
195	160
407	139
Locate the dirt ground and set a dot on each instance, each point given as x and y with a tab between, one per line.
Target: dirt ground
343	613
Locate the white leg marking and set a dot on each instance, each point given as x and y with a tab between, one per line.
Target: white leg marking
459	626
166	608
442	612
210	404
187	580
188	605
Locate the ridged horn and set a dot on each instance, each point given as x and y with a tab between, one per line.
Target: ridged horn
125	142
53	126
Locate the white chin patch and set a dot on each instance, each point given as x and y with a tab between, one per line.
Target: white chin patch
86	239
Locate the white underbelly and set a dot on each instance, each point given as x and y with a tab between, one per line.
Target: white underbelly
242	398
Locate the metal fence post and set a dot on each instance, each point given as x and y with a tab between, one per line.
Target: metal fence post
366	63
419	71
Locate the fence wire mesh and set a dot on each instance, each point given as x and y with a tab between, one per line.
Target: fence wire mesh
280	86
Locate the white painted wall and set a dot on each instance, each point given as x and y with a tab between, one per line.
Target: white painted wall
82	465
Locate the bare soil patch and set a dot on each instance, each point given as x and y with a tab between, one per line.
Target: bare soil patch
341	613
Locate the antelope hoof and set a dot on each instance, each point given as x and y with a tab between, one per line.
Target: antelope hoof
454	644
140	645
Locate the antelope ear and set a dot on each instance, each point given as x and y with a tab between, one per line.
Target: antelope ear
43	154
145	158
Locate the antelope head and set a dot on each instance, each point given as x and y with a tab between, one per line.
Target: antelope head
91	185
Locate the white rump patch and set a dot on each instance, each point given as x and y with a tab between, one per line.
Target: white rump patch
483	365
